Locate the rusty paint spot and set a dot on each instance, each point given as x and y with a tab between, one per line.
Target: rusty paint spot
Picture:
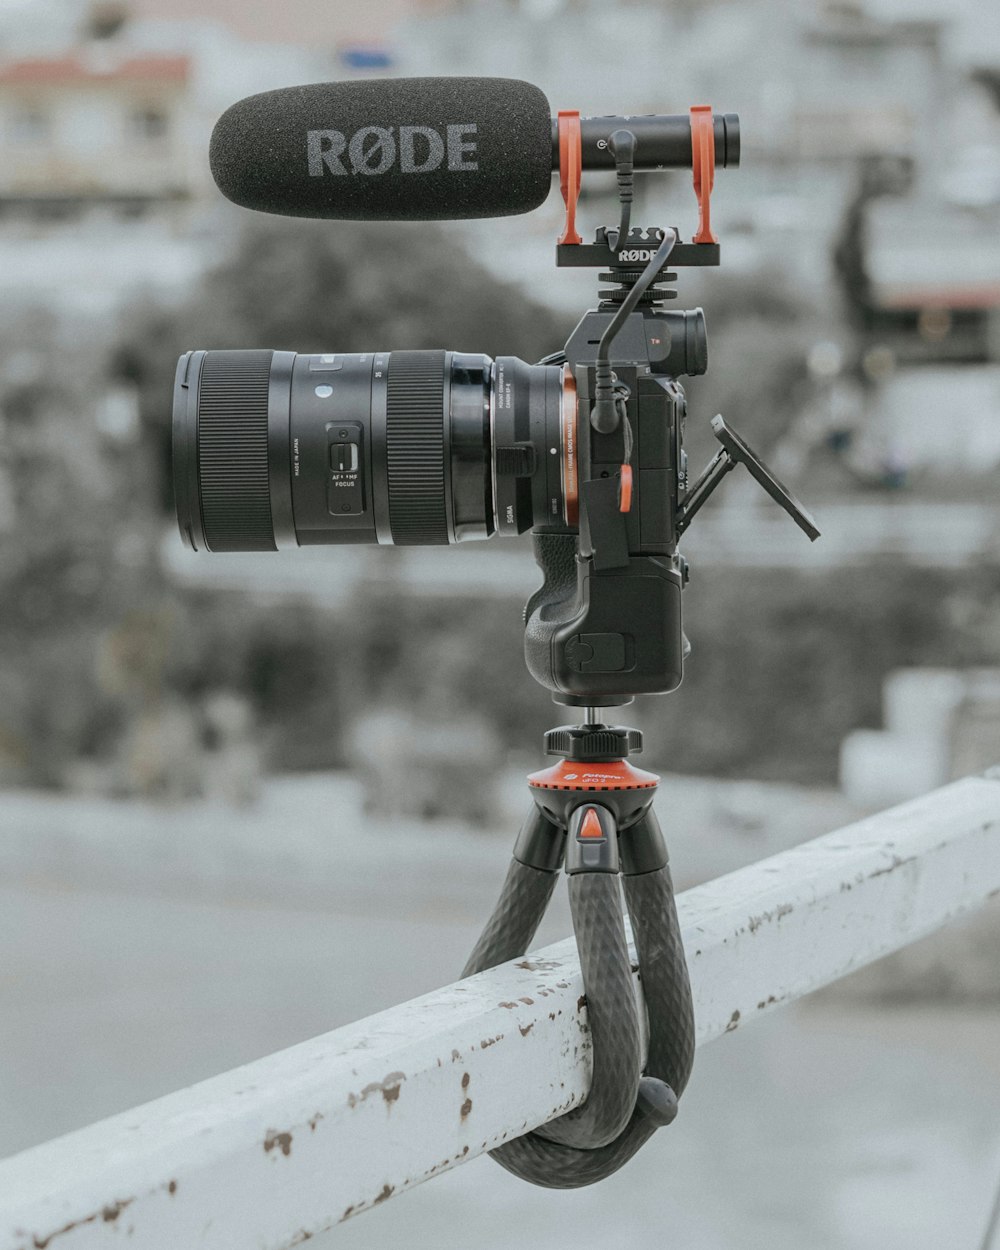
552	1015
509	1006
465	1151
538	965
41	1242
465	1080
386	1192
581	1002
528	1002
490	1041
525	1029
301	1236
390	1093
755	922
109	1214
455	1056
734	1021
896	862
634	967
766	1002
314	1120
466	1107
282	1140
388	1088
172	1187
348	1213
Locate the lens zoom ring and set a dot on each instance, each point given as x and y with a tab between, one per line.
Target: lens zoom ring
415	449
232	451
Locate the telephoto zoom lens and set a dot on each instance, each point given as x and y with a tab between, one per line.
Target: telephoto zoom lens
275	449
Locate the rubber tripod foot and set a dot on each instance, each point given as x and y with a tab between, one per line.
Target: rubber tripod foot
656	1102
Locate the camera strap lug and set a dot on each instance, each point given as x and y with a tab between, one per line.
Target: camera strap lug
625	489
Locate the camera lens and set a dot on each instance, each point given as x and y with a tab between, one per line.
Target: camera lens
275	449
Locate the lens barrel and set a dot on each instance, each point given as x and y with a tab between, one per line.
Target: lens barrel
221	479
275	449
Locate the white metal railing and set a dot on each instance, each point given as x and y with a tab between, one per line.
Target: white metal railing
273	1152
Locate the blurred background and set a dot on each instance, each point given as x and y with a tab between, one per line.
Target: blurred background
204	854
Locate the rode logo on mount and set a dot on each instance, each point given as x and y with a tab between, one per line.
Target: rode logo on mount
377	149
636	253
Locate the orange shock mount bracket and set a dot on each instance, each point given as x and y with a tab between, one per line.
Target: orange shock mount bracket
703	166
570	169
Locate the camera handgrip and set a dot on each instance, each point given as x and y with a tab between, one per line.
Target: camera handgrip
603	635
551	604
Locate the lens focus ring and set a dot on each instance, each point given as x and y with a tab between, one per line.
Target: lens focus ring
232	451
415	448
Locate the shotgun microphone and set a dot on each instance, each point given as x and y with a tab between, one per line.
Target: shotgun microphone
420	149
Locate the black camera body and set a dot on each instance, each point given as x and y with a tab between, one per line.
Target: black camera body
606	623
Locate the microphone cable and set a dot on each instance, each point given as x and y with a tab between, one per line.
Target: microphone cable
606	413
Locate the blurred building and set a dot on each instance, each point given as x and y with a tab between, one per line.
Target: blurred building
97	125
940	724
358	35
104	132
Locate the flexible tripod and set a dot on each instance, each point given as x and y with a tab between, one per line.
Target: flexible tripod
593	812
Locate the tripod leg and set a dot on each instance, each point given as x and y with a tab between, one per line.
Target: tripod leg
530	880
649	893
595	899
612	1016
666	986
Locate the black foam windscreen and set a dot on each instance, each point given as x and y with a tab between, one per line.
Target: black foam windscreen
404	149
